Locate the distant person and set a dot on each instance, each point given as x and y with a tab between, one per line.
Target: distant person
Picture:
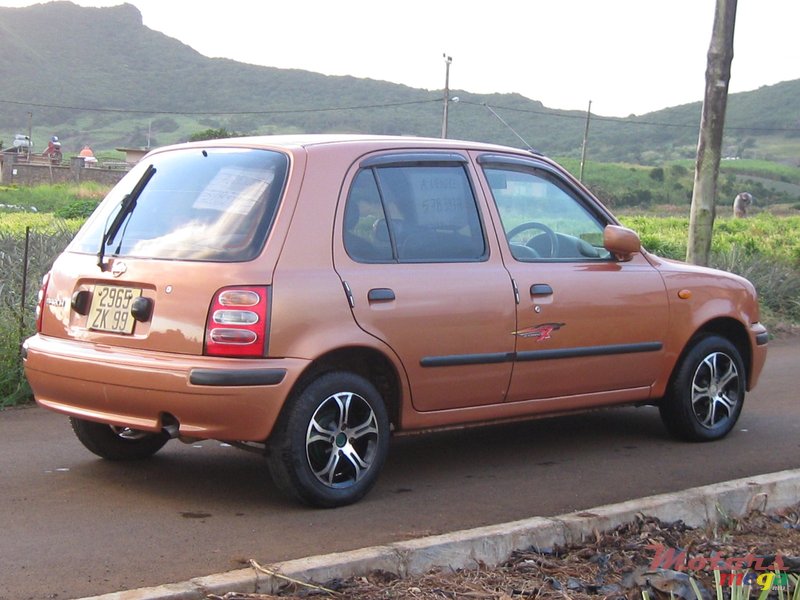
53	147
53	150
741	204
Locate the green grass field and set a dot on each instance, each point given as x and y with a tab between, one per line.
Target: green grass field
776	238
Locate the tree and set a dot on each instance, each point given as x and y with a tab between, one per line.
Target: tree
712	124
212	134
678	170
657	174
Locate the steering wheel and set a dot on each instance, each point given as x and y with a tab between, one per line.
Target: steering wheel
551	236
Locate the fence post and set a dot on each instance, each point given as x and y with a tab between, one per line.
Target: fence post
76	166
24	285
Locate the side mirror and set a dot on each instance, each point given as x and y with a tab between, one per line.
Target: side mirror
621	242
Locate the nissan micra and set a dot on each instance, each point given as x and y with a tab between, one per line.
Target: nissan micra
309	296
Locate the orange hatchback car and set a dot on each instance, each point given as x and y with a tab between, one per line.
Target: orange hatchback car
306	296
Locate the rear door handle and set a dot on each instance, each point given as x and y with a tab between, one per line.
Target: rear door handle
541	289
380	295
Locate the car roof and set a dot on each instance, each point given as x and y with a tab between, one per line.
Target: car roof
366	141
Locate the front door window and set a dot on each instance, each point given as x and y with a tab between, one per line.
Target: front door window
541	219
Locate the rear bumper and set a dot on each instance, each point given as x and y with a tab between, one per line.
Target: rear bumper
217	398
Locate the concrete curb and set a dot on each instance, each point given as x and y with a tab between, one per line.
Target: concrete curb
495	543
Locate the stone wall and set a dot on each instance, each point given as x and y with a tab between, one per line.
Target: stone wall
15	172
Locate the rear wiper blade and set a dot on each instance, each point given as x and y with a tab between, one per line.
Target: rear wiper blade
125	208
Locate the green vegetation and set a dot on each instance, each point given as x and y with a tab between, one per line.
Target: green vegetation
765	249
16	309
48	236
761	168
49	198
764	234
213	134
620	185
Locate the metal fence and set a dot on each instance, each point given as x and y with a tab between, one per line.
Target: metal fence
24	259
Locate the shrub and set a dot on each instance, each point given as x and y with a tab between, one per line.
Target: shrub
79	209
14	388
678	170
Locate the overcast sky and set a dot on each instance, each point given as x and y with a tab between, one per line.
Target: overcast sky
626	56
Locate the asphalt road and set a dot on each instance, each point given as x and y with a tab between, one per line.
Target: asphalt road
72	525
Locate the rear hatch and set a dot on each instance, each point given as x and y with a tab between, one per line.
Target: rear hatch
181	234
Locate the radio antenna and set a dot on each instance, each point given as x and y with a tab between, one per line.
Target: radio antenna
499	118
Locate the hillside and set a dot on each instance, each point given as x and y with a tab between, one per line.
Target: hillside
99	76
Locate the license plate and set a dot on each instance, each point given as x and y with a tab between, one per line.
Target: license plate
111	308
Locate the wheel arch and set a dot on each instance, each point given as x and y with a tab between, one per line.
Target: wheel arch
725	327
367	362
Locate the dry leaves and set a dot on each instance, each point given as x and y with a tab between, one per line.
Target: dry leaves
613	565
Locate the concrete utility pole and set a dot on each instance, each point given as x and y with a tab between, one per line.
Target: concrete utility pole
712	124
447	61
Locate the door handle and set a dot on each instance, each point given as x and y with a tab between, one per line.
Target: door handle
541	289
380	295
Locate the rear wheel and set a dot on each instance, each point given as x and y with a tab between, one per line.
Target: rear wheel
117	443
330	445
705	397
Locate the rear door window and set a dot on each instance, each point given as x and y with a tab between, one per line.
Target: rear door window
200	204
421	212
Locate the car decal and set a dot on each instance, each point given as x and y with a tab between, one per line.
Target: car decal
540	332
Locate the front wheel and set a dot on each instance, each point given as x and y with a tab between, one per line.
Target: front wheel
330	445
707	392
117	443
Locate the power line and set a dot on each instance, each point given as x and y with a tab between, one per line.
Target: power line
215	113
555	115
623	120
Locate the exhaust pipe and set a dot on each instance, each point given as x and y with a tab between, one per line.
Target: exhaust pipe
170	425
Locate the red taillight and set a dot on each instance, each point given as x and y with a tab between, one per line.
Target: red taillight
237	322
40	302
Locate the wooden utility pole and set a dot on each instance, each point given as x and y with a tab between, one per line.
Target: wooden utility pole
712	123
585	140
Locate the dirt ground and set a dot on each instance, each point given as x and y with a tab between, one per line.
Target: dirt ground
616	564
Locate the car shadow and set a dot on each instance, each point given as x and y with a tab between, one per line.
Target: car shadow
224	476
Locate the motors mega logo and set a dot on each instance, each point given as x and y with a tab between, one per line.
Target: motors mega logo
765	571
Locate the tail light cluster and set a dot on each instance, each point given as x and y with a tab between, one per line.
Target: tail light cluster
237	322
40	302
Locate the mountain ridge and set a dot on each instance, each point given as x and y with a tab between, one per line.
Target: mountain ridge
99	76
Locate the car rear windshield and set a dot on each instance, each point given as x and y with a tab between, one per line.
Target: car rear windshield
210	204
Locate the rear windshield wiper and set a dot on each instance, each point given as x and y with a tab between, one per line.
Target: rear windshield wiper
125	208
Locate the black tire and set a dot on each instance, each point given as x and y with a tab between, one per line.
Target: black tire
331	441
117	443
706	394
